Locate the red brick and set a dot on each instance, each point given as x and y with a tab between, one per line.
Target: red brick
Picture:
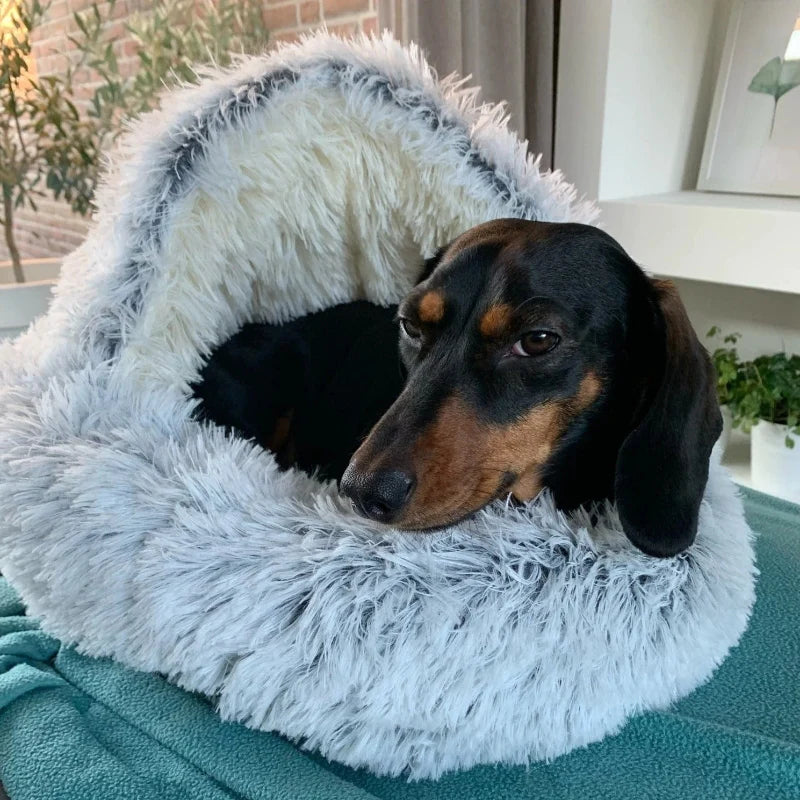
47	30
43	51
130	47
116	30
332	8
369	25
344	30
286	36
280	17
309	12
58	9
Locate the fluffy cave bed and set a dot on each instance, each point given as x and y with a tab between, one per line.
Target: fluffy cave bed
315	175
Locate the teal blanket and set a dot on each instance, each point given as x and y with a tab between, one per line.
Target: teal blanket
76	728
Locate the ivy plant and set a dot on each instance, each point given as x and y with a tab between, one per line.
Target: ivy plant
764	388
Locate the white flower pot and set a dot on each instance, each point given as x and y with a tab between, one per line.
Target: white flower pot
21	303
775	467
725	437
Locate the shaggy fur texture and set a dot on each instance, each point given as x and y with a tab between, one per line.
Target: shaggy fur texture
318	174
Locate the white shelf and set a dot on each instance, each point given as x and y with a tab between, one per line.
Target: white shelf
737	458
740	240
21	303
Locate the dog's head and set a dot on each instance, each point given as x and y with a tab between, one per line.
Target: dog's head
540	355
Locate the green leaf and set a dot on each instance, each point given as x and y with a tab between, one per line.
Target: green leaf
81	23
776	78
766	80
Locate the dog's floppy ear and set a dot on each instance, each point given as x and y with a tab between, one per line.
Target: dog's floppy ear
431	263
662	466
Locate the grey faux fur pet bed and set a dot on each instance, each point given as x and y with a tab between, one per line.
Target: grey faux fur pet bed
312	176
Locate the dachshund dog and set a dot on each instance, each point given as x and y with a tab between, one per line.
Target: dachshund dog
537	355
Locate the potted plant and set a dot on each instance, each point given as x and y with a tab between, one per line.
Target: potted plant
763	398
50	144
45	145
766	401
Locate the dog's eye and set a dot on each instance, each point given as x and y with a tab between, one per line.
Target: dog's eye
410	329
535	343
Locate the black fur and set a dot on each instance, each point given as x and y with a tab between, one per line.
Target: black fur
334	373
645	440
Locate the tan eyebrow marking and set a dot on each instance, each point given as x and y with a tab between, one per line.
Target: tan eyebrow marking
495	320
431	307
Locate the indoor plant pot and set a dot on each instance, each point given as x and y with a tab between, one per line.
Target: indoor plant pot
761	396
21	303
775	467
727	426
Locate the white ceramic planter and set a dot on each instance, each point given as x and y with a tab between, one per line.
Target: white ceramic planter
775	467
725	437
21	303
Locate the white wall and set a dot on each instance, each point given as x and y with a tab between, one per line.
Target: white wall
659	85
768	321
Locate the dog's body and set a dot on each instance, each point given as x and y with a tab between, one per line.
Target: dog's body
309	390
538	355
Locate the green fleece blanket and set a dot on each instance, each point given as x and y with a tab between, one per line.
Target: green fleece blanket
76	728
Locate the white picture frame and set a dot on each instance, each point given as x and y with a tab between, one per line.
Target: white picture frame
753	140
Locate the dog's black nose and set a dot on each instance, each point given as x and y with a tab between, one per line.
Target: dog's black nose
378	495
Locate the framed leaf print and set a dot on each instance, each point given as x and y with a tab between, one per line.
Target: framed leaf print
753	139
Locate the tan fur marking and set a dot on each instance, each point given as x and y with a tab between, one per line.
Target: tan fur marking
527	486
461	463
588	390
281	441
495	320
431	307
280	433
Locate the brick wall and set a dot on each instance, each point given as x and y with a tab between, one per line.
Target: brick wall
286	20
53	230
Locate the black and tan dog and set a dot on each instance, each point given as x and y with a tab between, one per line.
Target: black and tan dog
537	355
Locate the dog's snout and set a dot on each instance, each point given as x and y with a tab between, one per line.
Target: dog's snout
380	495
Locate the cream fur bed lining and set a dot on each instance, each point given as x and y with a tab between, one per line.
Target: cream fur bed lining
318	174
